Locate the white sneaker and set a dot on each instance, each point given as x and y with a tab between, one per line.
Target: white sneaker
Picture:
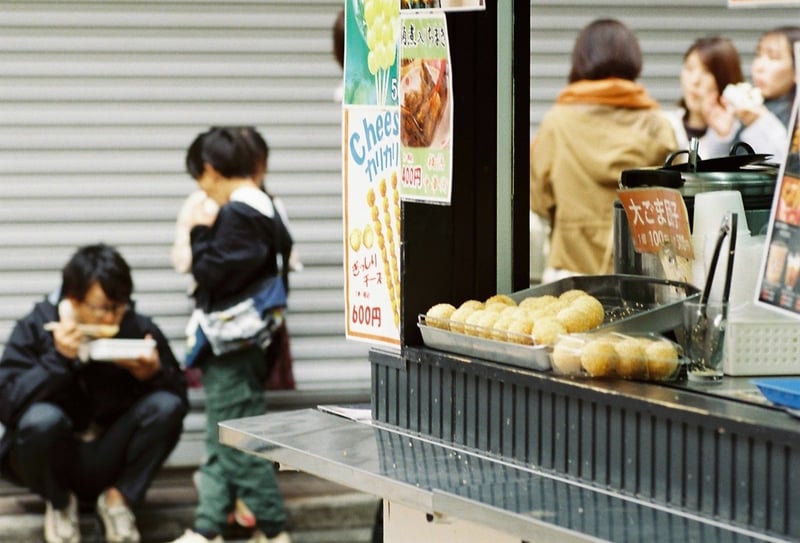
118	522
190	536
259	537
62	525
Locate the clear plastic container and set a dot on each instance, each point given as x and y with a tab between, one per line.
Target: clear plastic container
643	357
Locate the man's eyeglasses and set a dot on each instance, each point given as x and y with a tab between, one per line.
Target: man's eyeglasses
101	310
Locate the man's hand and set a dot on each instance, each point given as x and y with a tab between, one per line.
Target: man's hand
144	367
67	338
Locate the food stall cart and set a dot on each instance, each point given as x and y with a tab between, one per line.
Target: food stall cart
462	448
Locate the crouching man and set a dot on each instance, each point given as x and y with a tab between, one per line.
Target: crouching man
81	429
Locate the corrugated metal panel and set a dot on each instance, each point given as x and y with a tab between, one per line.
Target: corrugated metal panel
665	31
98	102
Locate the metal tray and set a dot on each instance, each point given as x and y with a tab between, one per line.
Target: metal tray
525	356
632	304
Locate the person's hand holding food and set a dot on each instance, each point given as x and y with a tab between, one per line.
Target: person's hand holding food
203	212
144	367
717	116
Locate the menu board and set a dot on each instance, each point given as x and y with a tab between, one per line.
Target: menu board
779	287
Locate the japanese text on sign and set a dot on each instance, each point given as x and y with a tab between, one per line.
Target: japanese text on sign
657	217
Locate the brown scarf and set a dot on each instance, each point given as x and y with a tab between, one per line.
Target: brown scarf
609	92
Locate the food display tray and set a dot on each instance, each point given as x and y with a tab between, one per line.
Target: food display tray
525	356
632	304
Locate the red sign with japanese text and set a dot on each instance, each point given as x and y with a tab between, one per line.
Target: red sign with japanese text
657	217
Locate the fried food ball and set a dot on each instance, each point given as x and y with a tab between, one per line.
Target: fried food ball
485	323
599	358
575	319
355	239
592	307
459	317
500	298
662	359
474	304
536	302
368	237
546	331
552	309
519	331
473	322
512	311
438	315
496	307
631	358
500	328
570	295
566	356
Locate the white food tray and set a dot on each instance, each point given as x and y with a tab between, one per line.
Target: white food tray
104	350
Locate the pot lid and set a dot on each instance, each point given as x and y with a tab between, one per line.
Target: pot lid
735	161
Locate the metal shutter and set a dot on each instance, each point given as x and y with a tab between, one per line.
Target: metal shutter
98	102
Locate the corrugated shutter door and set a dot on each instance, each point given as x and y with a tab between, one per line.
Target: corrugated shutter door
98	102
665	31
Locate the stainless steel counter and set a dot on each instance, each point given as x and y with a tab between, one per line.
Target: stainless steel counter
451	483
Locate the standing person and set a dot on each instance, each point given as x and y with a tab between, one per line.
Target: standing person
719	106
603	122
232	250
338	51
710	64
773	70
79	429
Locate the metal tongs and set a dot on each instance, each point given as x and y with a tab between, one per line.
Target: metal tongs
727	228
700	330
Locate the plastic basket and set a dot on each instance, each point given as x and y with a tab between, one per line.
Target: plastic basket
762	347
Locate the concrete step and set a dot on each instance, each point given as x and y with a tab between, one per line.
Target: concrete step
319	512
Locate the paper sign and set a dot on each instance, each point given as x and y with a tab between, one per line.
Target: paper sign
370	171
426	108
657	217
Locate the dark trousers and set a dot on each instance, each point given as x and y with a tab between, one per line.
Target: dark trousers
51	461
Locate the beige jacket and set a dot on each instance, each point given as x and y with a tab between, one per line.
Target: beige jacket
576	160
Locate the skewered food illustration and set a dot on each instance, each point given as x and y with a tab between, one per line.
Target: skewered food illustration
423	102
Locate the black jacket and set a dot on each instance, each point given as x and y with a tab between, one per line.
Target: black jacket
31	370
236	253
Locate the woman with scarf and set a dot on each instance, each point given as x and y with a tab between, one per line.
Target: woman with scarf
603	122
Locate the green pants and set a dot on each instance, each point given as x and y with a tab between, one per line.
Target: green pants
234	388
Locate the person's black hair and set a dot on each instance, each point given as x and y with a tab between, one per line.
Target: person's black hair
790	32
606	48
225	149
97	263
259	146
338	38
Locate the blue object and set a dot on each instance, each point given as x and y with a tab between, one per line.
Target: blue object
783	391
